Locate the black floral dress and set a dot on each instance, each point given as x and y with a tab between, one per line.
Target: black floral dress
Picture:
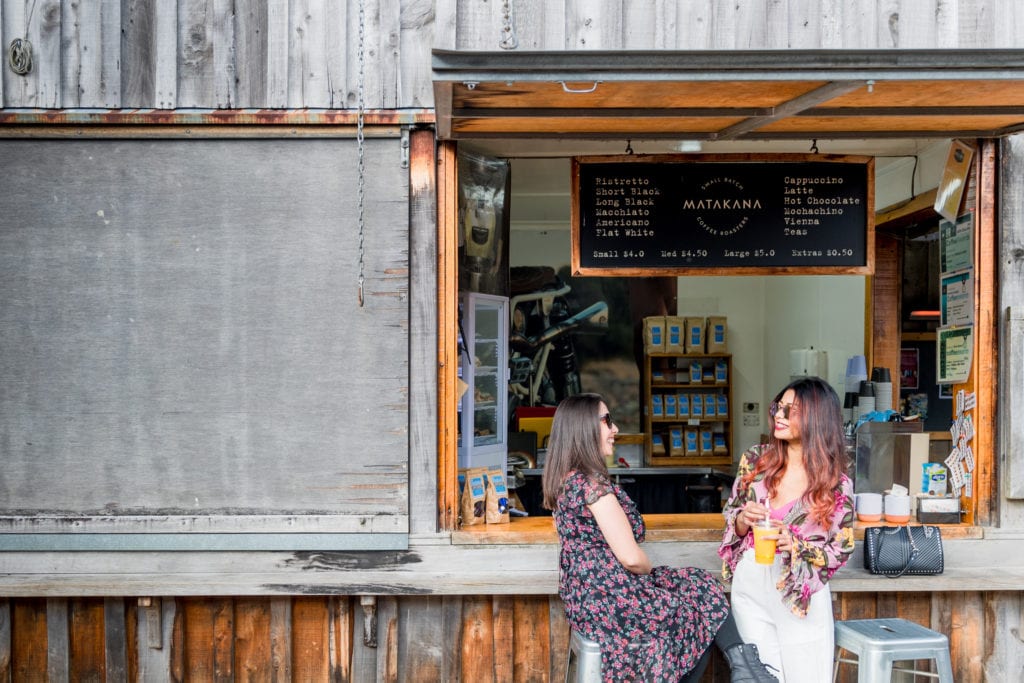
650	627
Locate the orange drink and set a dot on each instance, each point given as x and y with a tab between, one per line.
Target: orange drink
765	537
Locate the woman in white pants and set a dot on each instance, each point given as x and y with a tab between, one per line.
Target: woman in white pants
798	481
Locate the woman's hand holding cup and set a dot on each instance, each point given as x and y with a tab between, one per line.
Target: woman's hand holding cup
750	516
784	544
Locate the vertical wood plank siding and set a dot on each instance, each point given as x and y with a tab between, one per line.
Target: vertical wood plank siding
756	24
215	54
218	54
500	639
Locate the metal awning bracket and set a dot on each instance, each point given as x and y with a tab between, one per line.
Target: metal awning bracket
579	91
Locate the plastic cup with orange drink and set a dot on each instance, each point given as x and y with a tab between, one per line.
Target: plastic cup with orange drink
766	535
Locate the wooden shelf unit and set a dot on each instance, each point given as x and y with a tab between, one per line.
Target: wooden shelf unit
674	371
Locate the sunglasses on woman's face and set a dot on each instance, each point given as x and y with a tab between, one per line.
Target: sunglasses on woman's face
786	409
607	419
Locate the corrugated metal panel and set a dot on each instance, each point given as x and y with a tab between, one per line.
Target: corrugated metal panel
182	338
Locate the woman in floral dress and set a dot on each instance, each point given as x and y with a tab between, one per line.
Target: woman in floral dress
652	623
798	480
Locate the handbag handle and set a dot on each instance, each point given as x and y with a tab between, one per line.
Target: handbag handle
913	552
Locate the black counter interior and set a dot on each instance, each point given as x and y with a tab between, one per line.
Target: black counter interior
654	490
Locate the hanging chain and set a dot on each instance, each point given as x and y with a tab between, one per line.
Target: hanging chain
19	54
361	178
508	41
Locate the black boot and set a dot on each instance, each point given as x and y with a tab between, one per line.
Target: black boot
746	665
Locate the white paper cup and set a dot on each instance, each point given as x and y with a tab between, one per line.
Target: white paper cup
869	507
897	509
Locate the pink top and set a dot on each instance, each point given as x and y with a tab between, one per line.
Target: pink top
781	513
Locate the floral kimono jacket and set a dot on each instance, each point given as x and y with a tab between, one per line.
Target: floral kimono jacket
818	552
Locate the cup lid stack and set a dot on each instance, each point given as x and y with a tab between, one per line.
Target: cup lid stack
883	388
856	372
866	398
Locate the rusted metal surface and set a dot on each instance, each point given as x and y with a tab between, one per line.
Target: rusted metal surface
217	117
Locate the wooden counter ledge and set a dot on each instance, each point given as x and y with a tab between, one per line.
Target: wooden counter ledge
684	527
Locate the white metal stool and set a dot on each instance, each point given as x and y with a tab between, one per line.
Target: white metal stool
880	642
584	660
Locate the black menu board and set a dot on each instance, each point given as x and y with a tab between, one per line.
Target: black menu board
722	214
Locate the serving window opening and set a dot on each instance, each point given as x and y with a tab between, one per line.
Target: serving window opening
571	332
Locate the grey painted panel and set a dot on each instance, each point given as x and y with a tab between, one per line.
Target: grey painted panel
193	542
440	568
180	329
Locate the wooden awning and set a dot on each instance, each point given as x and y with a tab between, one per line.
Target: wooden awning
734	95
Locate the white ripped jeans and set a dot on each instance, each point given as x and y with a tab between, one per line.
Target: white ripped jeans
801	650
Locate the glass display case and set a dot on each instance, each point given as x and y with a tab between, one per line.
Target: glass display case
483	366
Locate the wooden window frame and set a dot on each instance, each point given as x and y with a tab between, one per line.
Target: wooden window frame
882	332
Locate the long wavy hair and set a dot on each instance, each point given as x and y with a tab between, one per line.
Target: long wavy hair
574	444
818	417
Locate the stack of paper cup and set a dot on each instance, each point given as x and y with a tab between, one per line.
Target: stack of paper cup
866	399
850	407
883	388
856	372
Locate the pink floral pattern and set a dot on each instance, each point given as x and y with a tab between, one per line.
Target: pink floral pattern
650	627
818	553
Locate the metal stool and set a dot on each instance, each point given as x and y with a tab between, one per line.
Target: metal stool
879	642
584	660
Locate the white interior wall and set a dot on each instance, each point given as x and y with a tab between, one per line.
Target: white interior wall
742	300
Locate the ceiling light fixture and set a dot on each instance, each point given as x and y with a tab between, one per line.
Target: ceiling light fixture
925	315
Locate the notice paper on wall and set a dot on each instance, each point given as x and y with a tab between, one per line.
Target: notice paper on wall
956	244
960	461
954	350
957	298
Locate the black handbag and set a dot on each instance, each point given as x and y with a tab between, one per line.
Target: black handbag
898	550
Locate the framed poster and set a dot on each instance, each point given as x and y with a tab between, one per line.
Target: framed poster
910	369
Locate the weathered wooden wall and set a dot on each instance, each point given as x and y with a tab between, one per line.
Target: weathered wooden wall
273	54
712	24
1011	324
299	54
321	638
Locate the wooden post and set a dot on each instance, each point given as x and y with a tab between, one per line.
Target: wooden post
423	321
982	379
447	335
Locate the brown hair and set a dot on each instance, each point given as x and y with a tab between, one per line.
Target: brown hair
574	444
819	418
